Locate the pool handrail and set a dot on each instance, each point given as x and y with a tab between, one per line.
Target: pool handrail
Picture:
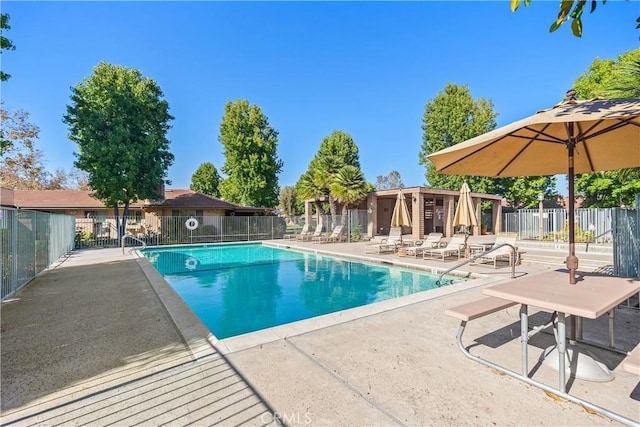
473	258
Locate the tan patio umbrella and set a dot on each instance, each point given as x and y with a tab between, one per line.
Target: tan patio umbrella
572	137
400	216
465	213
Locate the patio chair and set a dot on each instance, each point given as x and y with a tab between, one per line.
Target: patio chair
504	252
453	247
432	240
309	236
335	236
317	234
388	244
299	236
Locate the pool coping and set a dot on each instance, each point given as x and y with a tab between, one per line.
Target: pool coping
201	341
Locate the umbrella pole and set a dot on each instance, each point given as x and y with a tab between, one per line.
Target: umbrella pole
572	260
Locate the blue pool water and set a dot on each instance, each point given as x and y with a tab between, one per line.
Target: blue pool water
240	288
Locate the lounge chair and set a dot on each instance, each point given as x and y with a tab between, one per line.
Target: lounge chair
432	240
335	236
455	246
299	236
502	253
317	234
388	244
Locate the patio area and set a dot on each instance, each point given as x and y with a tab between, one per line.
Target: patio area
101	339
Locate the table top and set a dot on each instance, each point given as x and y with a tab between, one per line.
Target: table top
592	296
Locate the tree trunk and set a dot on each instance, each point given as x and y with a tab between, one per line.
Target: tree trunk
345	212
334	207
319	211
116	217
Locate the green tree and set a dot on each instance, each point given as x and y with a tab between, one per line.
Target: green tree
251	162
569	10
393	180
453	116
349	187
120	120
609	78
308	188
289	201
335	152
625	80
206	180
523	192
610	188
5	43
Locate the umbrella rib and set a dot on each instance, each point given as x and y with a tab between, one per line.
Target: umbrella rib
619	124
581	138
514	158
540	132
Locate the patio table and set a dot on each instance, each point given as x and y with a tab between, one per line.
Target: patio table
592	296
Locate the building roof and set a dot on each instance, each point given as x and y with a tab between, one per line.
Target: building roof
81	199
431	191
191	199
58	199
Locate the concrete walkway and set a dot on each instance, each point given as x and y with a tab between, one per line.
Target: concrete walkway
101	339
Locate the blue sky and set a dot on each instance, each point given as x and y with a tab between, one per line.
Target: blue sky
366	68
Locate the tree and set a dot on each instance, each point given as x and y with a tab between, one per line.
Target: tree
120	120
569	9
335	152
453	117
288	201
5	43
625	79
522	192
609	78
348	187
308	187
22	165
206	180
393	180
251	162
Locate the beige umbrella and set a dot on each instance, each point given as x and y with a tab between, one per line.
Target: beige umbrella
400	216
465	213
572	137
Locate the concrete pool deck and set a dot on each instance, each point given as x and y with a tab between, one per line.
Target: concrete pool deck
100	339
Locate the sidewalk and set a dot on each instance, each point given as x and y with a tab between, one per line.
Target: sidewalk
98	340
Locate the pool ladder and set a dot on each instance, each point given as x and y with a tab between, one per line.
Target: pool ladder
475	257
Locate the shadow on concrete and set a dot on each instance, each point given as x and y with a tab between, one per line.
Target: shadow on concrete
90	341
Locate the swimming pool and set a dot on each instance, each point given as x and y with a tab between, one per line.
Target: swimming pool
240	288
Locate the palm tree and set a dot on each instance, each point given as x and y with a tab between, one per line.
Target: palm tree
626	80
309	188
348	187
325	169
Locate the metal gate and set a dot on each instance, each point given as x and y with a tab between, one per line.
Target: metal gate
626	242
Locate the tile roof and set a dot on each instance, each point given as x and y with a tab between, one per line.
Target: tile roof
58	199
191	199
81	199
